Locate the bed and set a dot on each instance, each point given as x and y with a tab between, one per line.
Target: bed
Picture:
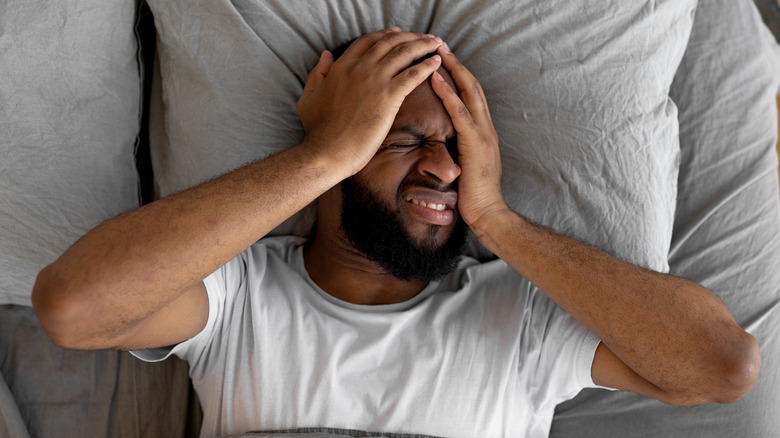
646	128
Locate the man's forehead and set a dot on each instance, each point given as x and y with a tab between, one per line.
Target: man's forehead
411	130
425	89
422	116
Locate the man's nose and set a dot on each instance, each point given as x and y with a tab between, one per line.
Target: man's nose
437	162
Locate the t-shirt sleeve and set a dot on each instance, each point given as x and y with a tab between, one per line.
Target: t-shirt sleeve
557	352
230	277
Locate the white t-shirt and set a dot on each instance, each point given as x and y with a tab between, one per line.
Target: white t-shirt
480	353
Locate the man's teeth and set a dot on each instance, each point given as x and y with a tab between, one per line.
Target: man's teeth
432	206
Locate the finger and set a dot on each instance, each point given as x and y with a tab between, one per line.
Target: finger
319	72
462	119
365	42
390	41
469	87
409	79
402	55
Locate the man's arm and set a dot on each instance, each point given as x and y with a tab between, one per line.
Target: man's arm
136	280
662	336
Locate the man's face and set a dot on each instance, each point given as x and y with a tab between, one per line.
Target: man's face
401	209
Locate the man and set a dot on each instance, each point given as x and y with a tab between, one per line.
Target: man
371	325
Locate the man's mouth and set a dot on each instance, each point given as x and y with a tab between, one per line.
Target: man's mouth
432	206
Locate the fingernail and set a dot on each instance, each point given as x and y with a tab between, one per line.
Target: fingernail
395	28
438	76
438	40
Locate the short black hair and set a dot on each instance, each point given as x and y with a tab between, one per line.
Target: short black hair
338	51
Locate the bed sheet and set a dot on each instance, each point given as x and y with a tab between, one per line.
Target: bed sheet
727	225
74	394
11	423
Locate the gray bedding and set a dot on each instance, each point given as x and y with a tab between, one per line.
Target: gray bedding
65	393
69	111
70	103
578	92
592	147
11	423
727	224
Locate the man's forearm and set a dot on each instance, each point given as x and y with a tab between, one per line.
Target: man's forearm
672	332
662	336
136	263
115	284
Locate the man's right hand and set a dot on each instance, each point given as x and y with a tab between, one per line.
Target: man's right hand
136	281
349	105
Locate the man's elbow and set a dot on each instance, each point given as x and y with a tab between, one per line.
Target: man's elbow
729	376
59	312
740	369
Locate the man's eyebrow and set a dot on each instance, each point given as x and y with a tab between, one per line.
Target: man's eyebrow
416	133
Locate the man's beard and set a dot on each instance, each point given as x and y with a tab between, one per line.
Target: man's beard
378	233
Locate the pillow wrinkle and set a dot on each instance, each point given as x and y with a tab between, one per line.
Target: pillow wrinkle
70	89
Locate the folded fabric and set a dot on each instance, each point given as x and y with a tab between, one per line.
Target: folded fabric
11	423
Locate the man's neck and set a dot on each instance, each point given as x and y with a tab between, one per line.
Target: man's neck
341	271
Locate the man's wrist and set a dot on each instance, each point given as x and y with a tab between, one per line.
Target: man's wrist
342	156
492	228
321	156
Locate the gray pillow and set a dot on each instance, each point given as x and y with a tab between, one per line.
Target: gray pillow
578	90
727	225
69	110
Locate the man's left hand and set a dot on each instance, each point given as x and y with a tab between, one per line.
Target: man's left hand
479	185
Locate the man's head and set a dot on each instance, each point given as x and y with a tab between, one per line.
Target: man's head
400	211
